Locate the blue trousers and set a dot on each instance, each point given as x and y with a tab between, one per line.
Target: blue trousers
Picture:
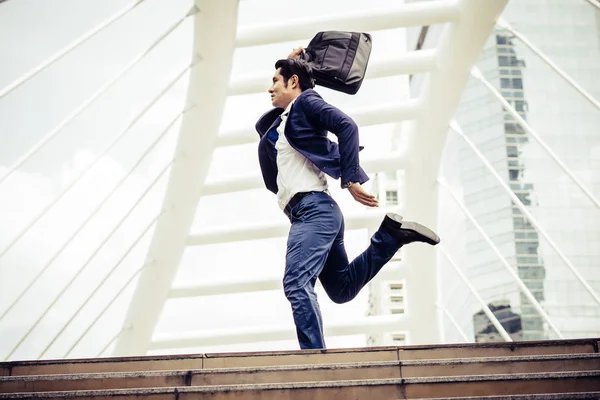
315	250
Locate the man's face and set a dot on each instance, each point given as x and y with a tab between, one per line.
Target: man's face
281	93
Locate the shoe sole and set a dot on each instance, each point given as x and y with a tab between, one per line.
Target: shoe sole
394	217
428	235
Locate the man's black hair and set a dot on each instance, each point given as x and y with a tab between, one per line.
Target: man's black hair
293	66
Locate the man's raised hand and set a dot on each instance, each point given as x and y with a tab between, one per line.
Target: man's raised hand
296	53
362	196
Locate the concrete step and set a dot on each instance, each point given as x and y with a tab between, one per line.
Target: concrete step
254	359
413	388
506	384
196	361
544	396
469	350
501	365
302	373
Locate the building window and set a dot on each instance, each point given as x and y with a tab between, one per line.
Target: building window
524	197
391	197
529	234
396	288
504	83
518	94
519	222
513	127
397	299
526	248
398	338
515	62
517	83
503	61
528	260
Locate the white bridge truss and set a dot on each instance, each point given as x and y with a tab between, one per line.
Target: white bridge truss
446	68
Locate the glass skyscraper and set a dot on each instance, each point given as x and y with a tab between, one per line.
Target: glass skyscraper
568	33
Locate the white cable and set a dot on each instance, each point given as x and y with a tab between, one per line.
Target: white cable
115	337
507	266
505	25
479	76
67	49
84	303
83	106
148	106
486	309
110	303
71	184
138	201
594	3
456	128
454	322
81	226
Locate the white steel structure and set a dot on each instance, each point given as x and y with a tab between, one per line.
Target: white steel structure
211	84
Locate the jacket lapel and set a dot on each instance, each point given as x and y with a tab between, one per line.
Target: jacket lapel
267	121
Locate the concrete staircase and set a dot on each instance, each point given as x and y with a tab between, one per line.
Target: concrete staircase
567	369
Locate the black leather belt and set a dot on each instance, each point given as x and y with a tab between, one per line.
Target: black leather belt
294	201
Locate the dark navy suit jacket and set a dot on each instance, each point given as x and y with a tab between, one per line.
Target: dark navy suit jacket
306	130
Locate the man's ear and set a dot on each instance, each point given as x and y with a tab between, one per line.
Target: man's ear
295	81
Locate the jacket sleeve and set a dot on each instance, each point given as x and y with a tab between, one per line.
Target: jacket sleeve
325	116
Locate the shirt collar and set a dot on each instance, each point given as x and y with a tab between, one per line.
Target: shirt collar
285	113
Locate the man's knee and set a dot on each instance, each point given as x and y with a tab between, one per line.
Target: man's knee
290	292
338	297
294	292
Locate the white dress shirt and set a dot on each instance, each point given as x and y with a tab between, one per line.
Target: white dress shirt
296	173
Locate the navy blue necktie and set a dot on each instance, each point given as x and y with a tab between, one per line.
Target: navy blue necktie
273	135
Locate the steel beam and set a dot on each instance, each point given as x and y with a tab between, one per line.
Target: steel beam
366	219
401	15
457	50
249	181
412	62
214	38
215	337
382	113
392	269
